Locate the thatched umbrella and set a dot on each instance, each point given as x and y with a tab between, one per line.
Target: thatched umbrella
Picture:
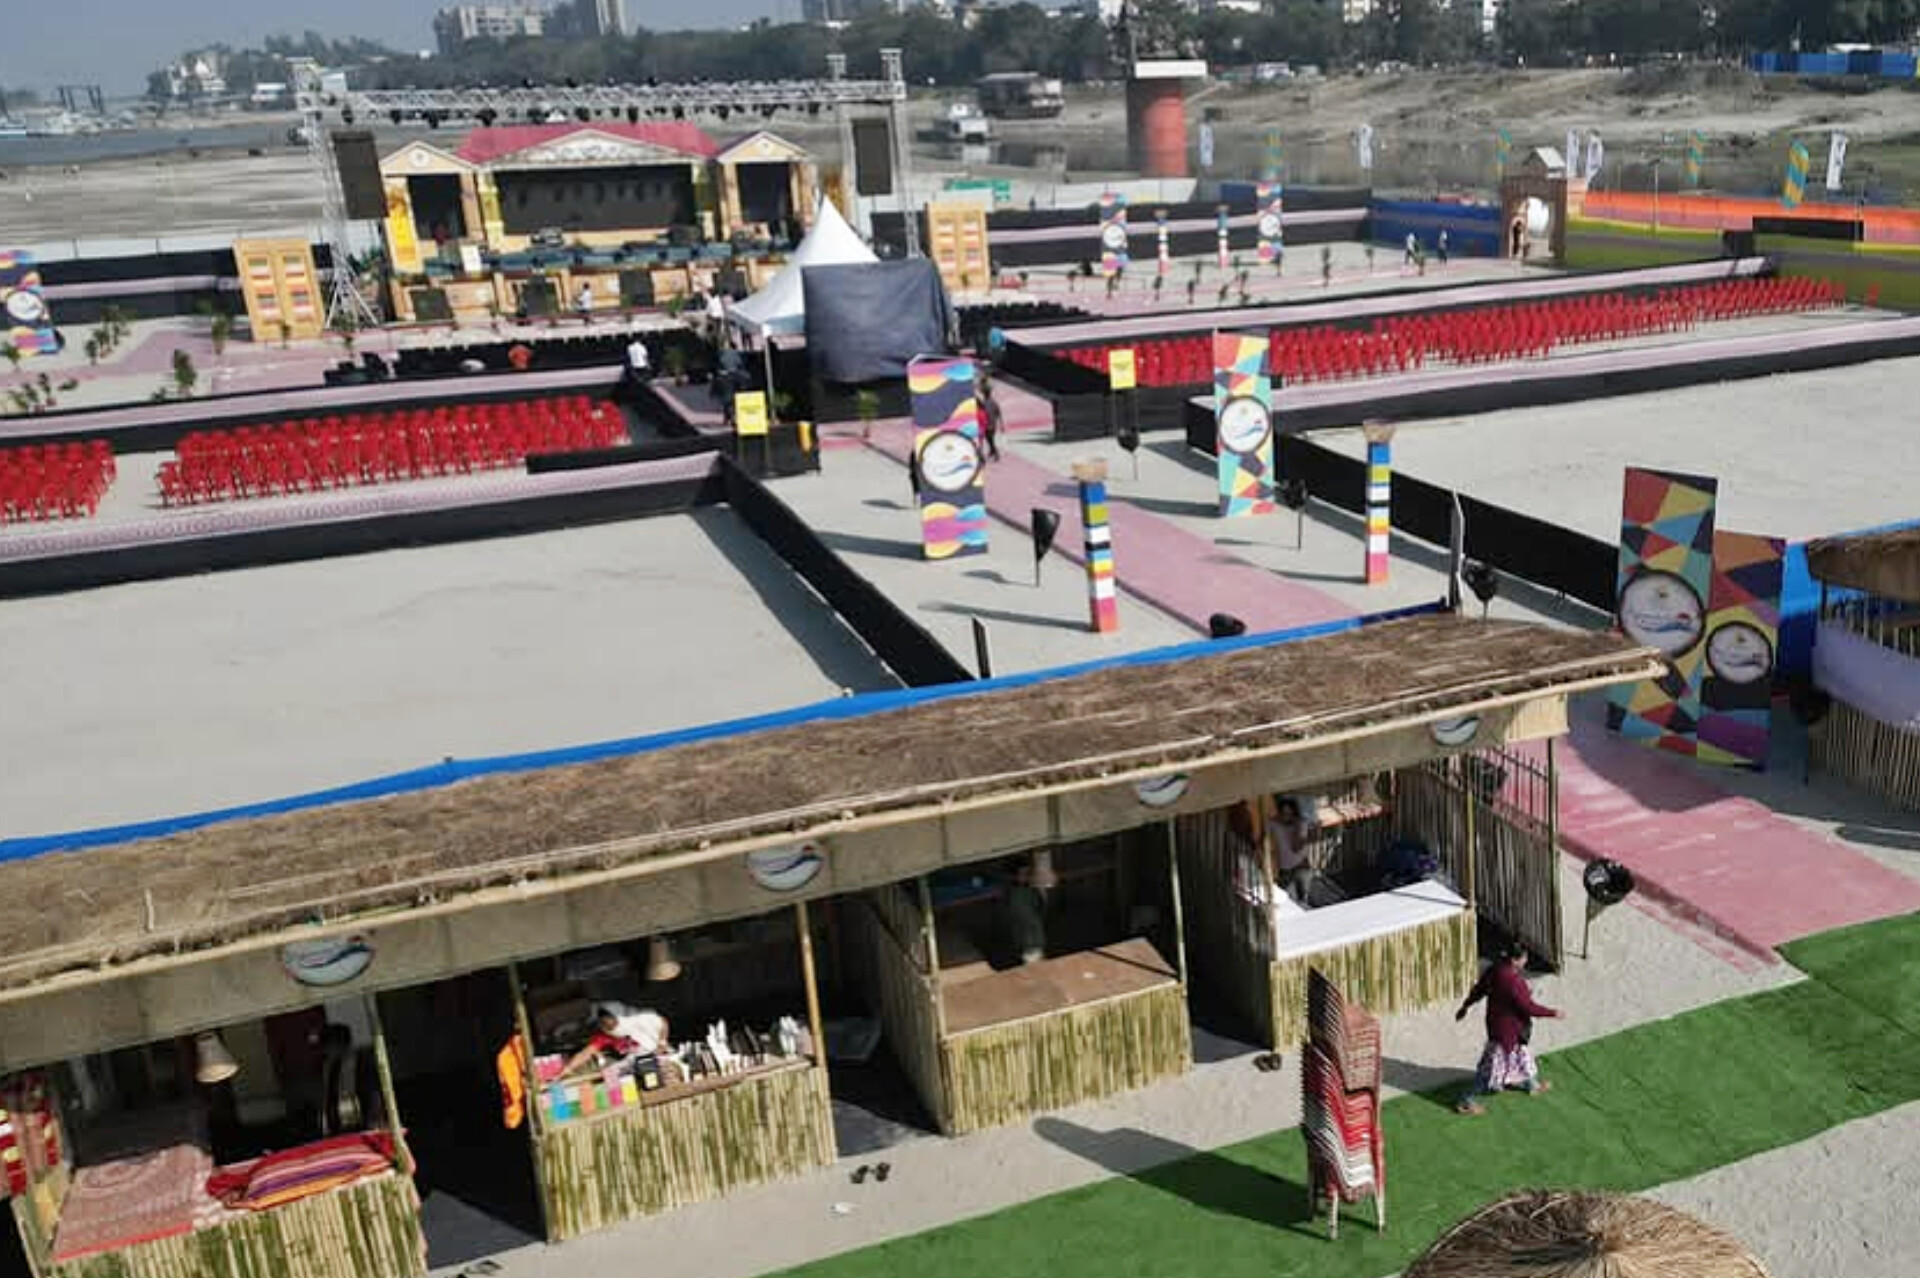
1543	1234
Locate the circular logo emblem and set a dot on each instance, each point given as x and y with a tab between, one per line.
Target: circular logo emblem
1244	425
1162	792
1113	236
949	462
1661	611
1739	653
328	961
785	869
1455	732
1269	225
25	308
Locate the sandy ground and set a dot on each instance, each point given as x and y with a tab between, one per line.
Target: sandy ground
158	698
1640	971
1797	456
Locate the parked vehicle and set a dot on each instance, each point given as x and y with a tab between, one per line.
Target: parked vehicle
1020	95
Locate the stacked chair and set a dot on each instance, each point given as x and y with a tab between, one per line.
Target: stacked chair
1340	1083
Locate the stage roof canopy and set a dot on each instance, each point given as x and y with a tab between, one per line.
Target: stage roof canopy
781	306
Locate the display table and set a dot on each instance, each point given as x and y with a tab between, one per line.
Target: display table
1302	932
1059	1032
686	1143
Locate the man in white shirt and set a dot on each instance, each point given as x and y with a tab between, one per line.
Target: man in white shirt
639	359
583	302
1293	869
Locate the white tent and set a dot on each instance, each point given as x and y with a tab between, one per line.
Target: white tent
781	307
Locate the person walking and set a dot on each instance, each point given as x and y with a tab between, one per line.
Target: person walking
583	302
1444	244
1507	1061
1413	247
990	416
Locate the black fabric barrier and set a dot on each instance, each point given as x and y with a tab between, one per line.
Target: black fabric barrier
914	655
75	313
1845	229
147	266
351	537
621	455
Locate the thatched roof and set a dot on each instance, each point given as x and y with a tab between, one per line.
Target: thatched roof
1884	564
224	882
1579	1235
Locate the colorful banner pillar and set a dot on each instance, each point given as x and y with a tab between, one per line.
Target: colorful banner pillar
949	463
1113	234
1221	227
1743	636
29	325
1103	598
1270	197
1243	416
1379	500
1696	158
1502	151
1794	189
1666	579
1164	247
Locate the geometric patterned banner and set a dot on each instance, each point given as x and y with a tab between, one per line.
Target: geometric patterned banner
1270	198
27	325
1243	417
1666	579
1794	189
946	445
1743	634
1696	158
1113	234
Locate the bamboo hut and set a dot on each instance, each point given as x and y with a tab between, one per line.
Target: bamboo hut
876	809
1866	658
1584	1235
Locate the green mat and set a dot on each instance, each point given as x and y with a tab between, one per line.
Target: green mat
1652	1104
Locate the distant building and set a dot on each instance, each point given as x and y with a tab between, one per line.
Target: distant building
1356	11
1231	6
829	12
588	19
455	26
198	75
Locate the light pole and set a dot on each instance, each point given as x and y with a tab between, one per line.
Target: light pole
1656	193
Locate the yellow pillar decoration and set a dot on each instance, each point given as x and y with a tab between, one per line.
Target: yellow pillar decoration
403	249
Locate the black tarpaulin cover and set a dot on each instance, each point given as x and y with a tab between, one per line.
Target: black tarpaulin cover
865	321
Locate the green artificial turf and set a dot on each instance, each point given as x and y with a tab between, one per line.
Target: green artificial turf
1653	1104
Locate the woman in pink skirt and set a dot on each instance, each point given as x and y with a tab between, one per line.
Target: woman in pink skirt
1507	1061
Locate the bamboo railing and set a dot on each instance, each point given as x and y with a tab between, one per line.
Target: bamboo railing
647	1159
1866	753
369	1229
1003	1073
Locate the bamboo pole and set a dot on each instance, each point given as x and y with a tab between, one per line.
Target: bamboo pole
807	974
383	1064
536	1123
933	959
1179	910
1467	863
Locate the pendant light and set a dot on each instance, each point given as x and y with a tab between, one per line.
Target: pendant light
661	965
213	1063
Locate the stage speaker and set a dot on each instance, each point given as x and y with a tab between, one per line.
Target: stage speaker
636	289
360	180
872	157
430	305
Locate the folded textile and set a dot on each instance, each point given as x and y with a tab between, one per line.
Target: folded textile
293	1174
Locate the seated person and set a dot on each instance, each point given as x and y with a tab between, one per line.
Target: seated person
1293	870
619	1033
1026	909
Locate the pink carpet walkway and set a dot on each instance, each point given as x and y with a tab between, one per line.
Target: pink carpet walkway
1727	865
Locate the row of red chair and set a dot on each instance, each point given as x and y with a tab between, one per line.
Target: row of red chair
55	481
340	451
1520	331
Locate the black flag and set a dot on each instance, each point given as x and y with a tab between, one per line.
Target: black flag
1046	525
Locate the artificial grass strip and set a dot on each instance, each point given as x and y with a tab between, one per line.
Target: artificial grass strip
1652	1104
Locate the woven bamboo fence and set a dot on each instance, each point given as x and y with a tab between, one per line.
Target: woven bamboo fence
1229	937
1516	870
892	972
1400	972
1004	1073
369	1229
1864	752
647	1159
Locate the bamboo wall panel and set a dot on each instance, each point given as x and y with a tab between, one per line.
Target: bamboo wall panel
1516	880
1874	756
369	1229
903	1000
897	908
1399	972
1005	1073
1229	938
643	1160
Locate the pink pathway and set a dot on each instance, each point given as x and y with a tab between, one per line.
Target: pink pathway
1724	864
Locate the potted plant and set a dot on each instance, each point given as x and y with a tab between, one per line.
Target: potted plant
185	375
866	406
220	331
674	364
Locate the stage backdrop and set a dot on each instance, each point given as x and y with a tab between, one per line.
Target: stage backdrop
1665	583
29	324
949	463
1243	416
1743	638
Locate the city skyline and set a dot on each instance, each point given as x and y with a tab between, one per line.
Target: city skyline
54	45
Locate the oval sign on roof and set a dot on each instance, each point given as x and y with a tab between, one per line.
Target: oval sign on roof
327	961
1163	792
786	869
1455	732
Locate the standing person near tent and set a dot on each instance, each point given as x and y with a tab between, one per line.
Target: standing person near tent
1326	266
990	417
1413	249
1444	244
1507	1061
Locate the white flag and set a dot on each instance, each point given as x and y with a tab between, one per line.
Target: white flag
1573	154
1206	146
1836	160
1596	156
1366	147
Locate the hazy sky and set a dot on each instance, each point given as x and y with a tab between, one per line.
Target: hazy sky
116	42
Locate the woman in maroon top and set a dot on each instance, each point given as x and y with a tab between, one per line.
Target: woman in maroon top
1507	1061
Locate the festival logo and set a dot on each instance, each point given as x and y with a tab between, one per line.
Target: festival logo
1739	653
328	961
1244	425
1660	610
1162	792
786	869
1455	732
949	462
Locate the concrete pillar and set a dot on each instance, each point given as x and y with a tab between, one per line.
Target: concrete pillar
1157	126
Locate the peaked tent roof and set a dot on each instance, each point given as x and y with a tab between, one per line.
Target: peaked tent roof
781	307
484	146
